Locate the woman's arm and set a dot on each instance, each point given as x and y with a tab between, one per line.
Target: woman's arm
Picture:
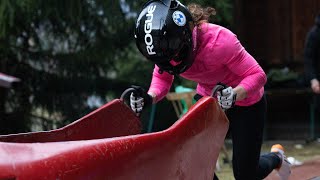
240	62
312	46
241	93
160	84
310	54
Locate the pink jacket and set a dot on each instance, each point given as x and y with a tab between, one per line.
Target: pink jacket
220	58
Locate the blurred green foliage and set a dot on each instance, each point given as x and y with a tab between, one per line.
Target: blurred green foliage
68	52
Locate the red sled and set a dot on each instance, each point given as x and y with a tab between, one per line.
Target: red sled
108	144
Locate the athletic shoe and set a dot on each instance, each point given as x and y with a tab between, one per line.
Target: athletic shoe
284	169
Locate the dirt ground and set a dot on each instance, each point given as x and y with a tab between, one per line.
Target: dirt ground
307	153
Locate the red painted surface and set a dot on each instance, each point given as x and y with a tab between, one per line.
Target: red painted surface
186	150
111	120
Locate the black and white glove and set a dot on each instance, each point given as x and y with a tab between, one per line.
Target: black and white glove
139	99
226	98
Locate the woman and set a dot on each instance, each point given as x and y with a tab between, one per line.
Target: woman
180	41
312	63
312	56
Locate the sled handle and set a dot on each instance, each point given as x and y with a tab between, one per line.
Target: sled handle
127	93
218	88
125	96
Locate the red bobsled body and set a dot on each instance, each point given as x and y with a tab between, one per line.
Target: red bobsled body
108	144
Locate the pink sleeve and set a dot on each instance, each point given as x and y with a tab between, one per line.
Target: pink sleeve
240	62
160	84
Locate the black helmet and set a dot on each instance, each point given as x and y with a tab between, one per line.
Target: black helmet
163	34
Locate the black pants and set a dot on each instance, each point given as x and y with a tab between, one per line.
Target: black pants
246	128
316	103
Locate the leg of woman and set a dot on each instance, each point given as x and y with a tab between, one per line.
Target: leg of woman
267	163
215	177
316	102
246	125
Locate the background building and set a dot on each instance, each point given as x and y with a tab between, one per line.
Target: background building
274	33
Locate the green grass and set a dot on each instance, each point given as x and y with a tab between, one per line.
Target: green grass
301	151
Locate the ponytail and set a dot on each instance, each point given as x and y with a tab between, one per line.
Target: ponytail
200	14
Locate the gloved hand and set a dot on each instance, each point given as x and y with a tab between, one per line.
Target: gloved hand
226	98
139	99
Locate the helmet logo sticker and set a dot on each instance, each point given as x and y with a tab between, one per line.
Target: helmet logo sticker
148	39
179	18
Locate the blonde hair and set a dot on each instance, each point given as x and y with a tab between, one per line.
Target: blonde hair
200	14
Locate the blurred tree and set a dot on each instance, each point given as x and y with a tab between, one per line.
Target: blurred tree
71	56
64	52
